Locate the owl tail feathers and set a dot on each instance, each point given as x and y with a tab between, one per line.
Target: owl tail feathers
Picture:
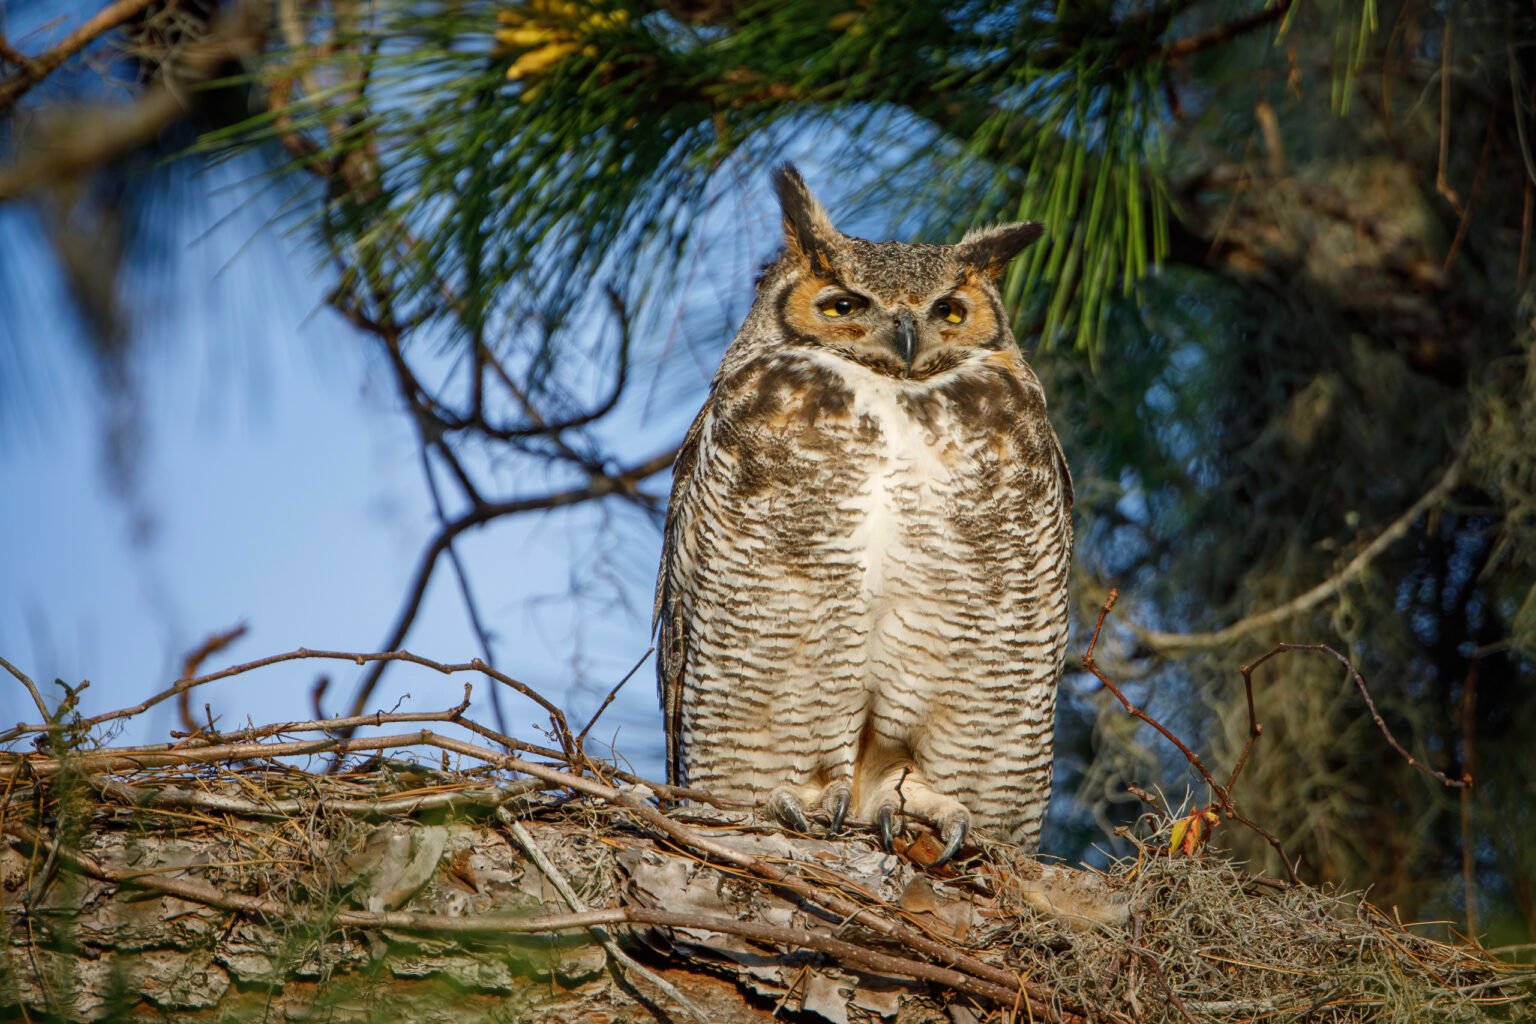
808	231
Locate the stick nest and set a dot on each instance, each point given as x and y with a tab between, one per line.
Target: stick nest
296	859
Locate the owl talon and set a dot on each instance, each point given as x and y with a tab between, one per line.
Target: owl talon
954	837
786	807
887	818
842	796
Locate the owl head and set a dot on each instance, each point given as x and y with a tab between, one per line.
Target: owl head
904	310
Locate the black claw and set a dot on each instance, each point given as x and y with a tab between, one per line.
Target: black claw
954	838
839	810
888	828
794	817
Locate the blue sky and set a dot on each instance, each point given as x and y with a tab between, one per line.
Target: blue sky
283	490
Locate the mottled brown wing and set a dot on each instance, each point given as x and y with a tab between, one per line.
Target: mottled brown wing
1067	494
666	617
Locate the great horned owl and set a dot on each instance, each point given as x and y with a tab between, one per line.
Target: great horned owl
862	604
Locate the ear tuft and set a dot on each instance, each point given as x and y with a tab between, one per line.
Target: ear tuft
991	249
808	231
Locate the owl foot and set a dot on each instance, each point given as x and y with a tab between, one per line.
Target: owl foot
906	793
953	830
789	803
887	818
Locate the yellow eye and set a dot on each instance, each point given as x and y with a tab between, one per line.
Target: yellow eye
841	305
950	311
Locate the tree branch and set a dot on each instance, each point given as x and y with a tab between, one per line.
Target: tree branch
1169	642
35	69
599	487
98	135
1181	48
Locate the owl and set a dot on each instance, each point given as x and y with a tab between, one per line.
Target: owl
862	602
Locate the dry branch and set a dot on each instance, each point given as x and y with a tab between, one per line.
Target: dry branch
1305	602
34	69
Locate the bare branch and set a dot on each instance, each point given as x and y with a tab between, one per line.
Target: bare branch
35	69
26	680
176	797
1170	642
98	135
1190	45
541	427
581	736
599	487
1359	681
194	660
1222	793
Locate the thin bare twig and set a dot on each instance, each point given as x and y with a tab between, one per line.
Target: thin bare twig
598	487
1222	793
613	693
194	661
1468	715
26	680
1370	703
1190	45
1136	712
341	728
176	797
1169	642
542	427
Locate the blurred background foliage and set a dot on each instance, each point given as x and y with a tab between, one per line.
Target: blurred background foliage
1283	317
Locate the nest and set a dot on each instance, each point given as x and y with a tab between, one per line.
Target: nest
423	876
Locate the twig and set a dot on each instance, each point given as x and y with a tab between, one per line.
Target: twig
542	427
1136	712
340	728
1442	183
11	55
1359	681
1255	728
1469	766
581	736
1181	48
1222	793
194	661
113	760
1157	972
173	796
26	680
623	960
345	726
597	487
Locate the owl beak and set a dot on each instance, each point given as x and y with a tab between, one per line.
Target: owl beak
906	338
